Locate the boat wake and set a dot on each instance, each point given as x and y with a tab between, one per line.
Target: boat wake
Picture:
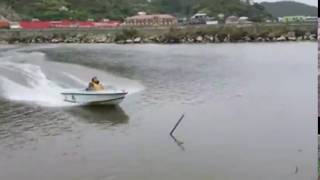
30	78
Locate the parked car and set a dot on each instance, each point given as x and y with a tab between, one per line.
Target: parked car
199	18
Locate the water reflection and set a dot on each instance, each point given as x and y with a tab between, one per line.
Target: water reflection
101	115
21	124
178	142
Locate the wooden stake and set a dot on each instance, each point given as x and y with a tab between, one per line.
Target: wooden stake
176	125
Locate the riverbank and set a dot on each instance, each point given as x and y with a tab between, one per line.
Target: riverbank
190	34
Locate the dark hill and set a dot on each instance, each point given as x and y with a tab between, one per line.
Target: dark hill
289	8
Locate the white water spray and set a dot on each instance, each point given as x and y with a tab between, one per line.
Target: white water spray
28	77
38	88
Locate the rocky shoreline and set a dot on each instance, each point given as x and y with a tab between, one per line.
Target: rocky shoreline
134	36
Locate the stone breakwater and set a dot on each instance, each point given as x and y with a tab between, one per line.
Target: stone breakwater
163	35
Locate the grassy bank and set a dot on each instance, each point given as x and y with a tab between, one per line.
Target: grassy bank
178	34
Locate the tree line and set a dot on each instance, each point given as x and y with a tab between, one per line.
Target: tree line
120	9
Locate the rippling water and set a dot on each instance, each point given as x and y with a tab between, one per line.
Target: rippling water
250	112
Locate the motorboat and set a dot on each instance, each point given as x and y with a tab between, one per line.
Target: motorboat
103	97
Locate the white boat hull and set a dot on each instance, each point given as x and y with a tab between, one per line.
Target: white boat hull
95	97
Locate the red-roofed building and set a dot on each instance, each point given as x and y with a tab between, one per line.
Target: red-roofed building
4	24
151	20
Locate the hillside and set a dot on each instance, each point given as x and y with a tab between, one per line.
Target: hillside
7	12
289	8
119	9
211	7
73	9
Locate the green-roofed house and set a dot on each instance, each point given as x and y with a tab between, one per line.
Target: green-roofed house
290	19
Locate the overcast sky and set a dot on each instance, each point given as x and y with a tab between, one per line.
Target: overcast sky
310	2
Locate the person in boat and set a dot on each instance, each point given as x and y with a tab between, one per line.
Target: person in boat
95	85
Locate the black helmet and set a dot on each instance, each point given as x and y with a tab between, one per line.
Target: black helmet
94	78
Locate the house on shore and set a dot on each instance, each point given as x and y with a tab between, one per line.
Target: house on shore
142	19
232	20
4	23
296	19
312	19
244	20
203	18
15	25
199	18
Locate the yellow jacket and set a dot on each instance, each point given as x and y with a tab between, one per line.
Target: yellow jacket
95	87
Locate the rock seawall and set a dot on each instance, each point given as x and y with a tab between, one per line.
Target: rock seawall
164	35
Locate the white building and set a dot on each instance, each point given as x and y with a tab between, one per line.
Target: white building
244	20
141	13
199	15
212	22
311	19
221	16
199	18
15	25
63	8
251	2
232	20
203	18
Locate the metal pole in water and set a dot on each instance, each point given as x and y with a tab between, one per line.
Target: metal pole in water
176	125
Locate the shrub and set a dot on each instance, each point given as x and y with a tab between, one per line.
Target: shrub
127	34
237	34
173	36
